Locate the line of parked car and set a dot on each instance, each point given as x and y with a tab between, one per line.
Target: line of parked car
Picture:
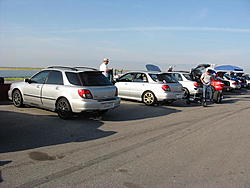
72	90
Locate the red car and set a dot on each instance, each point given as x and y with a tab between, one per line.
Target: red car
221	85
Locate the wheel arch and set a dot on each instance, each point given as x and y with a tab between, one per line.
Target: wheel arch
148	91
60	97
16	88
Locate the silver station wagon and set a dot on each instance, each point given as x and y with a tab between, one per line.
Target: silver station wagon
149	87
66	90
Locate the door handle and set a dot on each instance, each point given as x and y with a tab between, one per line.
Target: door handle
38	86
57	88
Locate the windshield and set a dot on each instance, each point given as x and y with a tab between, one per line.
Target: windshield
165	78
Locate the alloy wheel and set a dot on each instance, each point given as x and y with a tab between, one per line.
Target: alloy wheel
63	109
149	98
17	98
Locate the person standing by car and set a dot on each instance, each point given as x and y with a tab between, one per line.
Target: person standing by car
108	72
206	79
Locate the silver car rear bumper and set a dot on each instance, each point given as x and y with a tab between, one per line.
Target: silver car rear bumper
81	105
170	96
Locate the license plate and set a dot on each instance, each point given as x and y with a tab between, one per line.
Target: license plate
108	105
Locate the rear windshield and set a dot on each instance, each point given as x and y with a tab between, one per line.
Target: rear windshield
165	78
88	79
187	76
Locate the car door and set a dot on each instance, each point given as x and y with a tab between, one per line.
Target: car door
123	85
52	89
138	85
32	88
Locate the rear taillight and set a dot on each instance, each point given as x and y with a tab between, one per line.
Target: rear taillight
196	84
221	84
85	93
234	83
165	87
116	92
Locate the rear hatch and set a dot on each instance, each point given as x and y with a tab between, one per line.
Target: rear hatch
100	87
167	79
94	81
101	93
198	71
175	87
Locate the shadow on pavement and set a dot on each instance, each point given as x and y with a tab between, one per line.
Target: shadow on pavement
237	92
230	101
5	103
19	131
2	163
136	111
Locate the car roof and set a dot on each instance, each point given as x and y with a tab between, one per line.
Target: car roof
72	69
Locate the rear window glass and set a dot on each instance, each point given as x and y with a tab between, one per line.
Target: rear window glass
73	78
187	76
88	79
94	79
165	78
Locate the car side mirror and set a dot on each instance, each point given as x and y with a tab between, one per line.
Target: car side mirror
27	80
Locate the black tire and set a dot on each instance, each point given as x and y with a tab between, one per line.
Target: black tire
218	97
63	109
148	98
188	101
204	103
186	93
17	98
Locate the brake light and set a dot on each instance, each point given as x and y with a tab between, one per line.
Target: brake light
221	84
234	83
85	93
165	87
196	84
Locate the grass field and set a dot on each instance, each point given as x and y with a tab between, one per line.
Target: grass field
14	78
19	68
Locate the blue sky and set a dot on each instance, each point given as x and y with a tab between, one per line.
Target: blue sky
131	33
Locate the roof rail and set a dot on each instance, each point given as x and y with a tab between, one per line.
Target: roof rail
90	68
181	71
62	67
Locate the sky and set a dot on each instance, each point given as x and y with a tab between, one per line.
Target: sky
132	33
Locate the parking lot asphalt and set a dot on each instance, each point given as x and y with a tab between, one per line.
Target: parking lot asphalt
133	146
